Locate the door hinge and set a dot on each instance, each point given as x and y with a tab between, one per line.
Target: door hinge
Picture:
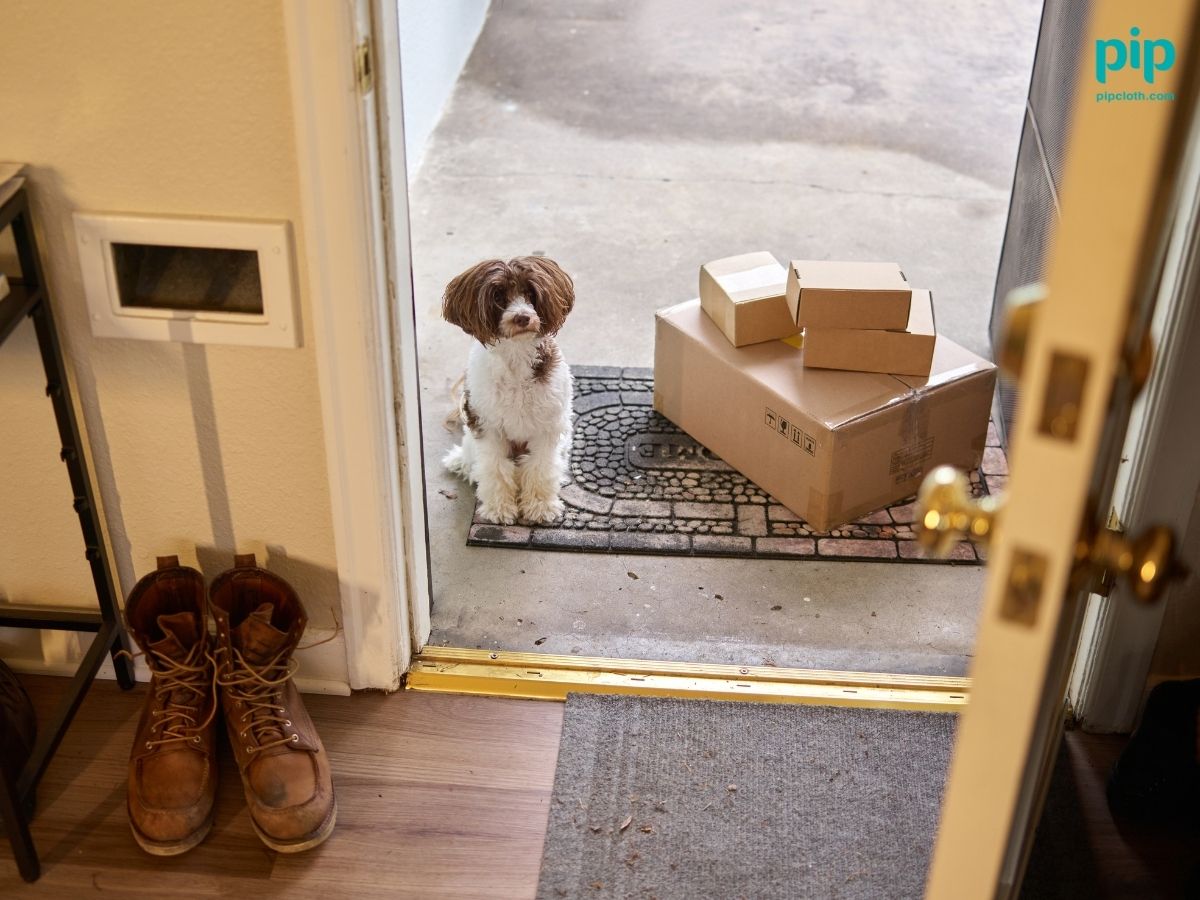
364	73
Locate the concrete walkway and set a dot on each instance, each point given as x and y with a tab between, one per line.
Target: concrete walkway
633	141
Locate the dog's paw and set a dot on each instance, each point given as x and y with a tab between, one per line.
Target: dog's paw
455	461
541	511
499	512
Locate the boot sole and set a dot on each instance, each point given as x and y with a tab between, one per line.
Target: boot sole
305	843
172	848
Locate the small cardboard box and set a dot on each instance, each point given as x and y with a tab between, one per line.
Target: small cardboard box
829	445
907	352
745	296
830	294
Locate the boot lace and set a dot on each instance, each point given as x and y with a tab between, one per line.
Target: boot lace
180	687
258	690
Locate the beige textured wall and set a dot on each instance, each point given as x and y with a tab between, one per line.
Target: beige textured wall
141	106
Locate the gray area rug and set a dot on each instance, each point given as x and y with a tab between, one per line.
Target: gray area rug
638	484
686	800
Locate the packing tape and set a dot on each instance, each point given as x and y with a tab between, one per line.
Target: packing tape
903	398
757	279
950	375
915	424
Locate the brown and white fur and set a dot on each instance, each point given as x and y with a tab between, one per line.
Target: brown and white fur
515	408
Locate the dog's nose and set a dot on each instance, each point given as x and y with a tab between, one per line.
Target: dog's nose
521	320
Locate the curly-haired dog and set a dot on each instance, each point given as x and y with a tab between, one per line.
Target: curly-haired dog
516	404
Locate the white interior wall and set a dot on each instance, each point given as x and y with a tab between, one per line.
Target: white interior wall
436	37
176	109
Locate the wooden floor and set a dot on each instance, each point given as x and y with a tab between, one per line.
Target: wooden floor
438	797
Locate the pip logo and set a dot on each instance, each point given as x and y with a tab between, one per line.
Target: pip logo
1149	56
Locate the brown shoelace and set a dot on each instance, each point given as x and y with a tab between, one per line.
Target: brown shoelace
176	720
258	689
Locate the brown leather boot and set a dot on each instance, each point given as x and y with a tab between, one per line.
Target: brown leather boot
173	764
285	771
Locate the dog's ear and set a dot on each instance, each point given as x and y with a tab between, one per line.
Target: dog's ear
475	299
548	288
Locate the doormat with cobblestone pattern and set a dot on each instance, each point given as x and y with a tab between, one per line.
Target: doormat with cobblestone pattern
641	485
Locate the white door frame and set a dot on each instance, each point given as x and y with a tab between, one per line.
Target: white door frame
1156	485
378	534
393	185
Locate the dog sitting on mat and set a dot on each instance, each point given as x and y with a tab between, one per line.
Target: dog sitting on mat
515	407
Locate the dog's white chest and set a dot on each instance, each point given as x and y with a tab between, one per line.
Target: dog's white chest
506	394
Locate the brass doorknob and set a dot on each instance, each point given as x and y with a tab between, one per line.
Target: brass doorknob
947	513
1146	562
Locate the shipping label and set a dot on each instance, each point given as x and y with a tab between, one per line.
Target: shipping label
909	462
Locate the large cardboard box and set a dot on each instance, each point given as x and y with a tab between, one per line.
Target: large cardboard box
745	296
907	352
832	294
829	445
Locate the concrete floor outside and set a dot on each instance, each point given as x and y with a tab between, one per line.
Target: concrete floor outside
632	141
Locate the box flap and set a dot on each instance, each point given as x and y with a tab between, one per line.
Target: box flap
920	313
837	275
750	276
831	397
920	320
951	362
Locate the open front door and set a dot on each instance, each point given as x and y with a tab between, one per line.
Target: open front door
1079	355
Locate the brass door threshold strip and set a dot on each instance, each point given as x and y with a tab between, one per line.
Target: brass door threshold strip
536	676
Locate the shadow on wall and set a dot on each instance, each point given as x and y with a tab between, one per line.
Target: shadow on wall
316	585
216	492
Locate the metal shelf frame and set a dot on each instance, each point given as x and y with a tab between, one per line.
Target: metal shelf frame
28	298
